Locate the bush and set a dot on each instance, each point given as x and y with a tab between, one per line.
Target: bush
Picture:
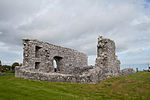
14	65
6	68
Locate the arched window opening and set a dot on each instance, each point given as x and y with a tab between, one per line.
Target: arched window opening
57	63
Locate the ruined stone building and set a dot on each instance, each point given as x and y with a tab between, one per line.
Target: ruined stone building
71	65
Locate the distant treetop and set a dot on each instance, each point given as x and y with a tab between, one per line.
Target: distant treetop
0	63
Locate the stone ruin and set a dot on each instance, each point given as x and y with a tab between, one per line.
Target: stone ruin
71	65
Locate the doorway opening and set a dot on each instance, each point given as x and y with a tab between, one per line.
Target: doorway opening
57	63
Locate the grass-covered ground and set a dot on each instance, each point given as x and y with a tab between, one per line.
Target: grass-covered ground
136	86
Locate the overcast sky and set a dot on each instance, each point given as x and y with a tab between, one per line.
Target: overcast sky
76	24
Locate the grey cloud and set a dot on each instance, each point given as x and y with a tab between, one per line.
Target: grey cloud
75	24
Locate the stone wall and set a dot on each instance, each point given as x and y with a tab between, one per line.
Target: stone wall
106	58
54	77
40	55
71	64
126	71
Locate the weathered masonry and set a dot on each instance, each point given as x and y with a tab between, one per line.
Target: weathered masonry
40	56
48	62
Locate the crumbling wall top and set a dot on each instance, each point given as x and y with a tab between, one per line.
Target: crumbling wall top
26	41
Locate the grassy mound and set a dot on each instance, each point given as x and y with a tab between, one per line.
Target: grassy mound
136	86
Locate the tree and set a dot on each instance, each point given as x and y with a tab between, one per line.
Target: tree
0	66
14	65
0	63
6	68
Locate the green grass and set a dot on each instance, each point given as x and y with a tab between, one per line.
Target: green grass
132	87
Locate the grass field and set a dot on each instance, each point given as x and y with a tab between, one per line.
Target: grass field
132	87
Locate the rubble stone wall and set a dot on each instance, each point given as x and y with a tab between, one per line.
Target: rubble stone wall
40	56
106	58
71	64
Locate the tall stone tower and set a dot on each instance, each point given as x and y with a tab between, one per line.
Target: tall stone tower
106	58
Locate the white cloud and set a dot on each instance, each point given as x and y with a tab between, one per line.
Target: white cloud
76	24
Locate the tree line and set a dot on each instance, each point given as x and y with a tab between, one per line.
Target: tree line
5	68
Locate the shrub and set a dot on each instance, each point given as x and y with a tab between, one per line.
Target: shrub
6	68
14	65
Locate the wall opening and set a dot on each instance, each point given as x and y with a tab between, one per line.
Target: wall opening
57	63
37	65
37	51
